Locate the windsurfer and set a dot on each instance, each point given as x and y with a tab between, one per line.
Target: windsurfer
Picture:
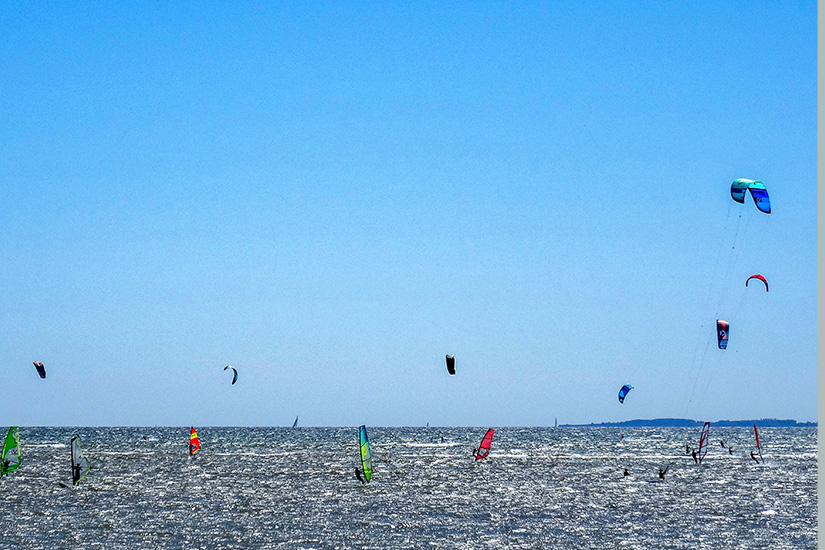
358	476
754	458
475	451
695	458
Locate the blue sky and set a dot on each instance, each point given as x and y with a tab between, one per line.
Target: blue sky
331	197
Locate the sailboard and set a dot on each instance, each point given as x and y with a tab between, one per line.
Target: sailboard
703	441
80	464
366	454
758	445
295	424
10	456
194	442
484	446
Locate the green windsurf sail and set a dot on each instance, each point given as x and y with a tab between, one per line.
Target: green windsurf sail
366	454
80	464
10	457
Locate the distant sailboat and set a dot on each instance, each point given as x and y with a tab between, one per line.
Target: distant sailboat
194	442
10	456
555	422
484	447
295	424
80	464
366	453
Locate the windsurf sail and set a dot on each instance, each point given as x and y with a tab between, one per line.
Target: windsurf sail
758	445
41	370
624	391
484	446
366	454
194	442
80	464
451	364
295	424
703	442
10	456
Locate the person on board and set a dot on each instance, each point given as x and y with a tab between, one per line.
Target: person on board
626	472
475	451
663	472
75	472
687	449
754	458
722	443
695	458
358	476
730	450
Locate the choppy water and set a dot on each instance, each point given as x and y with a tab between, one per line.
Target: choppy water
295	488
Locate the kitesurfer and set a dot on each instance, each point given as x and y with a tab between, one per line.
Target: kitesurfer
358	476
754	458
695	458
626	472
663	472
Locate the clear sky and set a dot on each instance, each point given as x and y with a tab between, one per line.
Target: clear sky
332	196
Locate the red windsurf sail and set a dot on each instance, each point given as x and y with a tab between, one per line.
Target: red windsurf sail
703	441
194	442
484	446
758	445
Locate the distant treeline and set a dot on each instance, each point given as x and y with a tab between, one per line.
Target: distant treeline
686	423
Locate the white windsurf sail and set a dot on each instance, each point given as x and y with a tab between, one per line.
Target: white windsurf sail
80	464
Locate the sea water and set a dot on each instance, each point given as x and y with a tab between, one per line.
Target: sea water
258	488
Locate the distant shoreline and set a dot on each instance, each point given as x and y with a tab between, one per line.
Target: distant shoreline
686	423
